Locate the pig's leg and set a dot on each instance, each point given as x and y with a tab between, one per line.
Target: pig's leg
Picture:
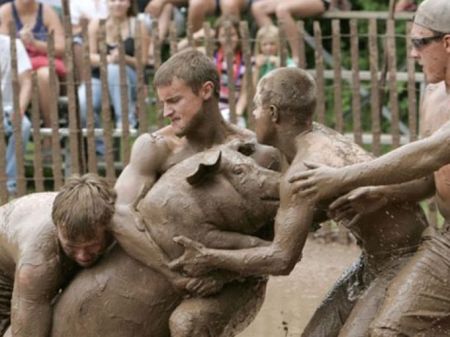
221	315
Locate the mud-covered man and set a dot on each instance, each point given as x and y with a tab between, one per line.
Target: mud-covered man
285	102
417	304
188	88
39	254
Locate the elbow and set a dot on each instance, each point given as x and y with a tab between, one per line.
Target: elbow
284	263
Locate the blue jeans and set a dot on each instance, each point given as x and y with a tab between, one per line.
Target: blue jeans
114	96
11	162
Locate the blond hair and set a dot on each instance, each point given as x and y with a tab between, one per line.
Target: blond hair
266	32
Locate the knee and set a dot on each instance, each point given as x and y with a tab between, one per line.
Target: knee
43	75
282	11
113	71
257	9
196	5
185	324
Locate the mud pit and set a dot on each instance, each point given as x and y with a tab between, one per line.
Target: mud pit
291	300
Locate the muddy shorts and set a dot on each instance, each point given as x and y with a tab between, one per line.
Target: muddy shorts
6	288
355	299
419	299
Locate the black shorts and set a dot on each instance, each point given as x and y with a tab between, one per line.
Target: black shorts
327	4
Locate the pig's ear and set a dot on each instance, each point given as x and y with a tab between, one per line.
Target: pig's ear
208	166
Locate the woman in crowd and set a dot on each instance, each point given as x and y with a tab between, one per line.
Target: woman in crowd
34	21
120	27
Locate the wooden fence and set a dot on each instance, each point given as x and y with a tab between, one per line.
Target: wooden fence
351	54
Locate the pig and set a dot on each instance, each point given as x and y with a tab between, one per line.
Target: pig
219	197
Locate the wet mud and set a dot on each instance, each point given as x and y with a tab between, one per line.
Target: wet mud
291	300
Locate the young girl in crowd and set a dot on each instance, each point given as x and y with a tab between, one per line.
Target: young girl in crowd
238	68
267	51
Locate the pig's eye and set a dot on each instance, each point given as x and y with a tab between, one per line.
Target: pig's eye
238	170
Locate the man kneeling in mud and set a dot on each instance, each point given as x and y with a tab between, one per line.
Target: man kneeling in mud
284	105
39	254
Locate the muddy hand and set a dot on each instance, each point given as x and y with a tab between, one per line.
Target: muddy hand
318	183
194	260
204	286
363	200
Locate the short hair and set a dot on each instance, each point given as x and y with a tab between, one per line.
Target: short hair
292	90
191	66
83	205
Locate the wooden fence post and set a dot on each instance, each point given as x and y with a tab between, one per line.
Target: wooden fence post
319	74
336	41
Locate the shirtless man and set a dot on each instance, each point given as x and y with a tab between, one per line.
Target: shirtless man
418	299
188	87
284	105
39	254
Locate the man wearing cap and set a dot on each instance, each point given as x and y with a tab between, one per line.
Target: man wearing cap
418	301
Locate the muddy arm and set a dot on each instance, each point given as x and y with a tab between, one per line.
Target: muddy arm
411	161
138	177
232	240
34	288
292	223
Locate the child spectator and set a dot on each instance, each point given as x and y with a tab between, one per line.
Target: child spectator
238	67
24	71
33	22
267	51
285	11
121	21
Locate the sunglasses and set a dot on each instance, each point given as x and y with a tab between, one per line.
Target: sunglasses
421	42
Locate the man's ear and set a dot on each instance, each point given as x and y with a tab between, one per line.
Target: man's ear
274	113
447	43
207	90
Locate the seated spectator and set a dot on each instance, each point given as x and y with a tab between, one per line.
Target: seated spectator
33	22
267	52
163	11
285	11
121	21
24	71
79	11
238	68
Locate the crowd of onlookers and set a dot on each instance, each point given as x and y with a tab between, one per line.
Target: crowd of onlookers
34	19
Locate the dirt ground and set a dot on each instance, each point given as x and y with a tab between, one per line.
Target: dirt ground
291	300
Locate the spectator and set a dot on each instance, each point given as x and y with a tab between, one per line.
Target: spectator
164	11
285	11
79	11
121	21
198	9
267	51
24	71
33	22
238	67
